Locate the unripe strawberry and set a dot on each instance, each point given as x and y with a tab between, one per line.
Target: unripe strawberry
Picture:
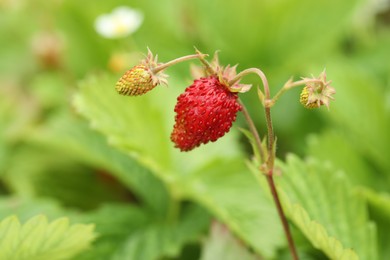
204	112
141	78
136	81
304	99
317	92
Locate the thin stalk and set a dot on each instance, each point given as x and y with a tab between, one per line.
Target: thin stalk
250	71
269	175
178	60
207	65
270	140
254	132
291	84
282	216
271	155
267	95
270	178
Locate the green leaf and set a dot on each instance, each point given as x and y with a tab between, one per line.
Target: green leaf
15	116
126	121
252	141
114	223
232	194
381	201
37	239
380	213
46	173
141	126
165	240
281	38
345	157
361	113
324	206
221	244
212	174
26	208
72	136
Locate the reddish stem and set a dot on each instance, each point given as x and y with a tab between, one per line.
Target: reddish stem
282	216
178	60
271	155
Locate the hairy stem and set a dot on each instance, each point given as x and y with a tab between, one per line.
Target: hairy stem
271	154
270	170
267	96
254	132
282	217
270	140
291	84
252	71
269	175
270	178
178	60
205	63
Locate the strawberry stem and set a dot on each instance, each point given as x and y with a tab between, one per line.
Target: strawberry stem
282	216
209	69
270	166
270	177
256	71
291	84
178	60
253	130
267	102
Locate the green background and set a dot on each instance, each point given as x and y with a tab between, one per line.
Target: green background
70	146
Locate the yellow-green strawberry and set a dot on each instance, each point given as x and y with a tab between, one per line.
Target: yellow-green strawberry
304	99
136	81
317	92
141	78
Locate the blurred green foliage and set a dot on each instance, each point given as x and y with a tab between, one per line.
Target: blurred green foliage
71	147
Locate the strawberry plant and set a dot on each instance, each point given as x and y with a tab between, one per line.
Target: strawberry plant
207	109
105	156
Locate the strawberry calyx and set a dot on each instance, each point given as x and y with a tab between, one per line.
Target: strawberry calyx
227	75
152	65
317	91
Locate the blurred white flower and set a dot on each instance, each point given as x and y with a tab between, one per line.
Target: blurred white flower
121	22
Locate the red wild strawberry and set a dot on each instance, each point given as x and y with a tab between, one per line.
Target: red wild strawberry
204	112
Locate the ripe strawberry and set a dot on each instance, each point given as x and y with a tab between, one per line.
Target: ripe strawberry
204	112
